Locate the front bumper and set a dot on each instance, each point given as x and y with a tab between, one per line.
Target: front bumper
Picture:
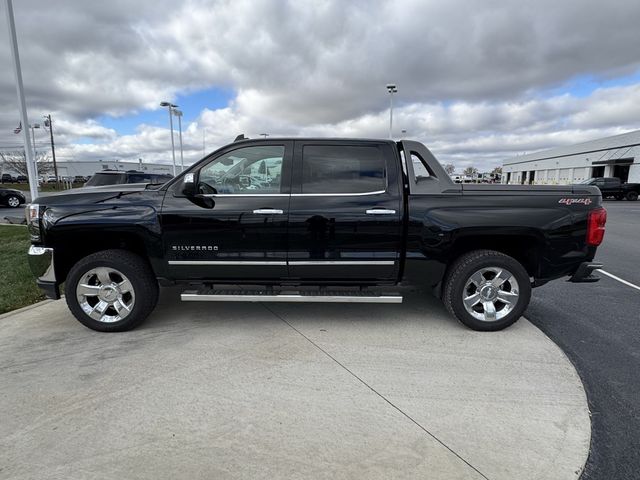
584	273
41	264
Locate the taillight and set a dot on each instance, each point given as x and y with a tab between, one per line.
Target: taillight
595	226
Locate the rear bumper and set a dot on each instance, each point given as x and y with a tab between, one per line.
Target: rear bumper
584	273
41	264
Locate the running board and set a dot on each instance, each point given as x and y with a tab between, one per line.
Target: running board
294	296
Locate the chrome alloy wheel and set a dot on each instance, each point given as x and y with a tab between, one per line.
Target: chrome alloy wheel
490	294
13	202
105	294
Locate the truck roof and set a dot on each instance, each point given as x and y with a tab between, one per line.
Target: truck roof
316	139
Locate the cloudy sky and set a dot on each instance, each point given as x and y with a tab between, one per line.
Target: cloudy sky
479	81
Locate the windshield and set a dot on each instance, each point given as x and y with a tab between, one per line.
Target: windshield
100	179
588	181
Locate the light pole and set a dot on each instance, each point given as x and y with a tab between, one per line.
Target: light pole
391	88
265	135
170	107
178	113
28	153
49	123
33	139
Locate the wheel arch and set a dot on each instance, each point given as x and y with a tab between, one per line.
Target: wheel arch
69	249
526	248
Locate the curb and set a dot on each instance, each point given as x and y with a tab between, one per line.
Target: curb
584	393
28	307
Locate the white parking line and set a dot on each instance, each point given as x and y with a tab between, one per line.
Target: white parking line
629	284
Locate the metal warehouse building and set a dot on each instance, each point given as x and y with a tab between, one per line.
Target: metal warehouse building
87	168
617	156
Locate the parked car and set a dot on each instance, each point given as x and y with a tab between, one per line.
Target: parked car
7	178
79	179
113	177
613	187
313	220
22	179
50	179
11	198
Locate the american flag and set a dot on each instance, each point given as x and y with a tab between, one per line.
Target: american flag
18	129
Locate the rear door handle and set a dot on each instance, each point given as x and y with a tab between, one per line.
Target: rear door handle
380	211
268	211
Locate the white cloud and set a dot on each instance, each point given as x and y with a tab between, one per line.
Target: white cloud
473	76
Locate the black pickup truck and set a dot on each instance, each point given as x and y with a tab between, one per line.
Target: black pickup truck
313	220
613	187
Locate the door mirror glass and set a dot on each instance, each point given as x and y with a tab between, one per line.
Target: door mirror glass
189	185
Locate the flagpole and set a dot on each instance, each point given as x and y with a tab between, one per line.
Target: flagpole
33	181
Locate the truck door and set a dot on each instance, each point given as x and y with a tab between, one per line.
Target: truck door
345	212
235	227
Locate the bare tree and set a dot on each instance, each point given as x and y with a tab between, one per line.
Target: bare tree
497	171
449	168
470	171
16	161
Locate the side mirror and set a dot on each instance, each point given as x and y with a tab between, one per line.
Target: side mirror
189	185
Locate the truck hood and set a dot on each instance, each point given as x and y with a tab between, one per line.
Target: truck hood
86	195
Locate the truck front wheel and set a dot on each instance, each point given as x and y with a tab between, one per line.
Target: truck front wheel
486	290
111	290
632	196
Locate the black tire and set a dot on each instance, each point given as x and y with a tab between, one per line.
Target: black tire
135	269
461	271
12	201
632	196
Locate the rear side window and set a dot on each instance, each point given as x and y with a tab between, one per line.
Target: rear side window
101	179
342	169
160	178
139	178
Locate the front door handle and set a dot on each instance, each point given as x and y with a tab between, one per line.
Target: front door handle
380	211
268	211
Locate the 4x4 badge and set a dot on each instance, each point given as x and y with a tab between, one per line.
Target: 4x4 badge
571	201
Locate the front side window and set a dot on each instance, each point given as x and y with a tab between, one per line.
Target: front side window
250	170
342	169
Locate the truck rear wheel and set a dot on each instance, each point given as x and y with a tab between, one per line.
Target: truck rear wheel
111	290
632	196
486	290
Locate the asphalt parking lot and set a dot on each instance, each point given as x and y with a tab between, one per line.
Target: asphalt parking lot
598	327
286	391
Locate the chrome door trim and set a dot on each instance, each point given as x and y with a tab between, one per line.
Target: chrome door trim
341	262
281	263
377	192
214	195
226	262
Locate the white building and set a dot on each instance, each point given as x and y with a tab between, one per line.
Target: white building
617	156
88	168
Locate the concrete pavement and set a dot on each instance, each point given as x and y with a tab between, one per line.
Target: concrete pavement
286	391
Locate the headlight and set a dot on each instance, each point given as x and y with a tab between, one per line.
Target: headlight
33	221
